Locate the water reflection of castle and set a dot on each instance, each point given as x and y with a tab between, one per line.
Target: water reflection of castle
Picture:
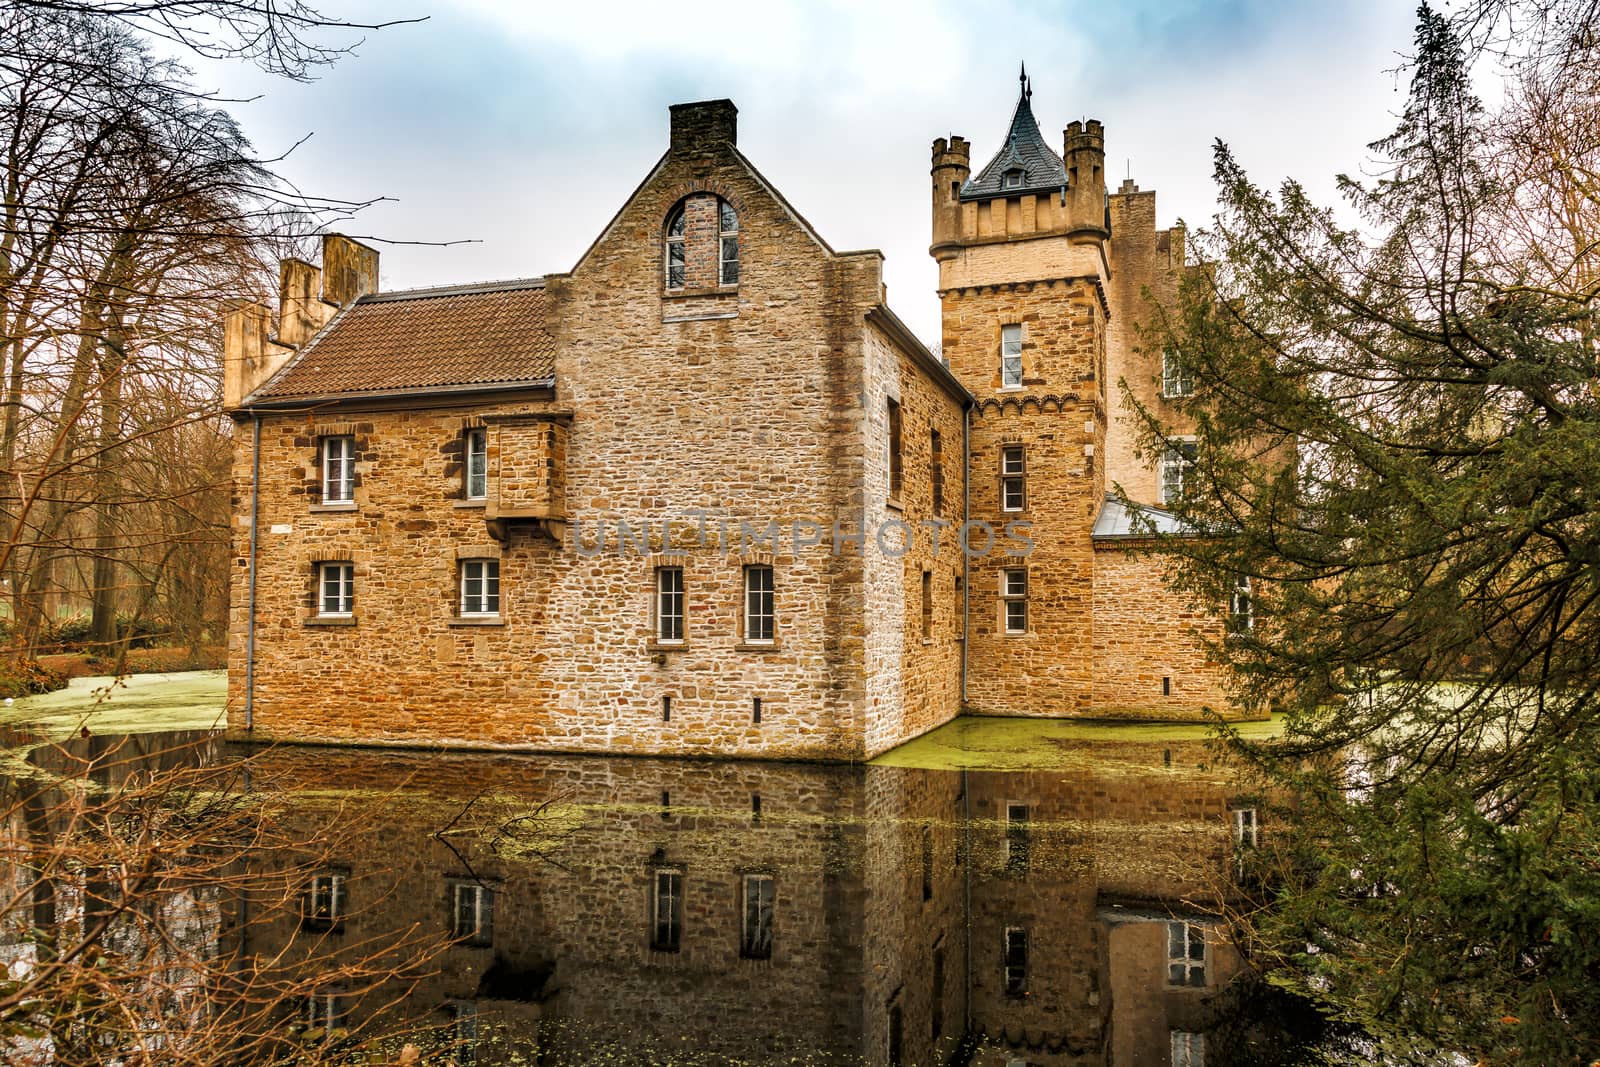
661	911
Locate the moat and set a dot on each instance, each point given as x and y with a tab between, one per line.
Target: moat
998	893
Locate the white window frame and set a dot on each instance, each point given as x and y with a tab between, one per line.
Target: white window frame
338	469
472	913
1014	978
1241	606
727	238
483	576
1188	1049
1013	592
339	578
1013	475
324	1010
760	605
1011	356
1013	179
671	621
676	241
1176	379
475	443
464	1032
755	922
1176	462
666	909
1246	827
325	902
1184	968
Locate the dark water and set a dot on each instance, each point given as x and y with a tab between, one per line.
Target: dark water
537	909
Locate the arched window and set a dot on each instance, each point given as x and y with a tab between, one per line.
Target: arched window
728	227
677	260
701	244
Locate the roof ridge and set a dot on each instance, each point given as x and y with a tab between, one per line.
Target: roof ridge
464	289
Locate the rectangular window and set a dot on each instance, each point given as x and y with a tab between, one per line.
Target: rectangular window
1019	839
1015	976
666	911
758	605
937	998
729	265
896	458
669	603
1010	356
464	1032
1241	607
1014	599
1244	827
1186	954
755	935
338	470
1188	1049
472	913
480	587
1175	465
325	901
927	605
896	1050
336	589
1013	478
476	445
1176	380
936	470
325	1010
927	861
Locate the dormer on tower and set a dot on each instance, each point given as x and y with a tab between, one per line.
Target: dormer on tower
1026	191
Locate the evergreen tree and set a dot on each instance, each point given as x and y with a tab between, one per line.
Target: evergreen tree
1399	449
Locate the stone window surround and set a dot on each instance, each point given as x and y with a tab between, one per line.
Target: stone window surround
315	560
459	555
1014	961
756	951
1019	475
746	562
1021	342
469	435
1009	596
677	199
672	923
480	931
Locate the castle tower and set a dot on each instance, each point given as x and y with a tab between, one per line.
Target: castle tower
1022	249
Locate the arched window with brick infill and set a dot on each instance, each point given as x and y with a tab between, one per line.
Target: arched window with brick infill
700	244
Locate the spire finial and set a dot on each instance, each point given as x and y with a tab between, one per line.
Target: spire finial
1022	78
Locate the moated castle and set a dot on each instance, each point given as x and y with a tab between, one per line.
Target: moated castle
704	493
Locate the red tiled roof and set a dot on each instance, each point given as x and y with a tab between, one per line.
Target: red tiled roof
419	339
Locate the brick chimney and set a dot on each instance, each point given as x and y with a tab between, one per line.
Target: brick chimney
701	126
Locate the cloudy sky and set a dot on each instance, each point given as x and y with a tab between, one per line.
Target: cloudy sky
521	126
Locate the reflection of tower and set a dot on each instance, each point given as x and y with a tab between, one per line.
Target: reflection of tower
1022	254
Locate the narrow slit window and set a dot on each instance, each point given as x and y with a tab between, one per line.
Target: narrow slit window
728	233
477	466
677	253
896	456
927	605
936	470
1015	975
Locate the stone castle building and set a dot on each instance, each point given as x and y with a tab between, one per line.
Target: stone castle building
705	493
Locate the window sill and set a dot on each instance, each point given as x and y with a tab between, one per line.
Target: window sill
477	620
337	505
666	646
1011	389
757	646
476	502
894	503
709	290
329	620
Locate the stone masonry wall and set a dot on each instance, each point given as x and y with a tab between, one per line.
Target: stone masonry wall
1149	659
1053	416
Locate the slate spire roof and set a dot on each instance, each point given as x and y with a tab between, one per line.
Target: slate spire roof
1024	150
